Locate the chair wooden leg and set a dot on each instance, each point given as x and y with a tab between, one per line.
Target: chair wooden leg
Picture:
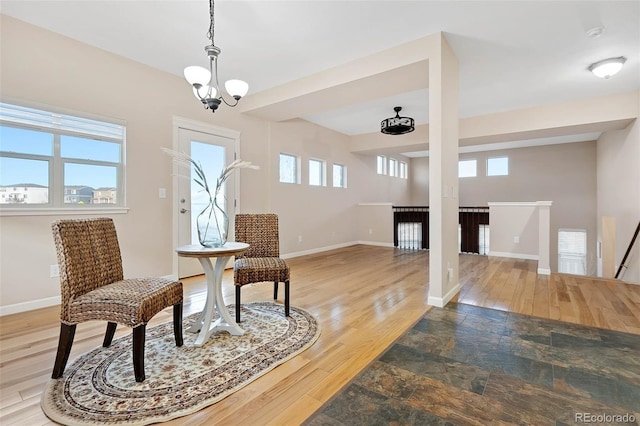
177	323
67	332
275	290
108	336
286	298
237	303
138	352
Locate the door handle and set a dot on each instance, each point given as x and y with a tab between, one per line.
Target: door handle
183	210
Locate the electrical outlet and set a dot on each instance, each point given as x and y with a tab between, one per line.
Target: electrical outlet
54	272
516	239
370	231
299	238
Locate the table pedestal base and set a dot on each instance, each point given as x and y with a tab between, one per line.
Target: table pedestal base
215	303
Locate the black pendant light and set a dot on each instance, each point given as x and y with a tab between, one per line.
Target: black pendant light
397	125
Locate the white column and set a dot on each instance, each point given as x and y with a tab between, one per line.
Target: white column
443	173
544	230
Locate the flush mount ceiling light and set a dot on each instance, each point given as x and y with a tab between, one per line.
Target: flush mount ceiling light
607	67
397	125
205	81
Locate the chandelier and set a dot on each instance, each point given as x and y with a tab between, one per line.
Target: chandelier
205	81
397	125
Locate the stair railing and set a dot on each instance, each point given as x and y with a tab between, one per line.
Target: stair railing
626	255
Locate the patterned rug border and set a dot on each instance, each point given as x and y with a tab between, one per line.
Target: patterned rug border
55	412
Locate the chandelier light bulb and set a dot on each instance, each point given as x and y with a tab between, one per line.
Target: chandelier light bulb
608	67
197	75
236	88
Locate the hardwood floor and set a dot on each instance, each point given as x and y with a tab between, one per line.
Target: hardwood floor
364	297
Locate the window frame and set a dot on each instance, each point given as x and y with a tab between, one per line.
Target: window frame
296	171
323	172
381	164
565	255
393	167
497	158
468	160
343	175
60	124
403	171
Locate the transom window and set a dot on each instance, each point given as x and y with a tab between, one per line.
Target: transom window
393	167
316	172
381	165
289	169
498	166
53	160
339	176
467	168
403	170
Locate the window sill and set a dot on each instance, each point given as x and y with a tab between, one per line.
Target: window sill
61	211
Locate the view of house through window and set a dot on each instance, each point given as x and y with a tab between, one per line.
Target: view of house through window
288	168
572	251
49	159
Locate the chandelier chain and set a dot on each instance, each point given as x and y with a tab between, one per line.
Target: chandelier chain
210	34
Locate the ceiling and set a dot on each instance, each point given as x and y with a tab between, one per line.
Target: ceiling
512	54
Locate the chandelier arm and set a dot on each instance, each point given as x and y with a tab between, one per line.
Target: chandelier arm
228	104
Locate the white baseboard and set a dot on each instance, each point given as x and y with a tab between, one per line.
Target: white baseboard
317	250
29	306
440	302
333	247
374	243
544	271
513	255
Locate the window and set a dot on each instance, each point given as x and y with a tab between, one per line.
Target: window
498	166
53	160
572	251
467	168
316	173
403	170
289	169
483	240
339	176
393	167
382	165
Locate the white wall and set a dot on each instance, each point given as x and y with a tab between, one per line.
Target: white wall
80	78
564	174
514	230
619	191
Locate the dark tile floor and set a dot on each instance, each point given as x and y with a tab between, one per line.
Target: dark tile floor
466	365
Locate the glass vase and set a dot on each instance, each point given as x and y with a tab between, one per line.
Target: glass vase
213	226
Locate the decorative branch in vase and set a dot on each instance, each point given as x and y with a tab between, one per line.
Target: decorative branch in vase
212	222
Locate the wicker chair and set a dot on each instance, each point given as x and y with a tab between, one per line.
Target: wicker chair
92	288
261	262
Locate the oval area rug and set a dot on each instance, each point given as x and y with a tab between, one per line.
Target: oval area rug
99	387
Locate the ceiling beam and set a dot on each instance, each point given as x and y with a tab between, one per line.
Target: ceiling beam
599	114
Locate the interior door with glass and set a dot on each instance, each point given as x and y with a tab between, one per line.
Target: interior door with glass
213	153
